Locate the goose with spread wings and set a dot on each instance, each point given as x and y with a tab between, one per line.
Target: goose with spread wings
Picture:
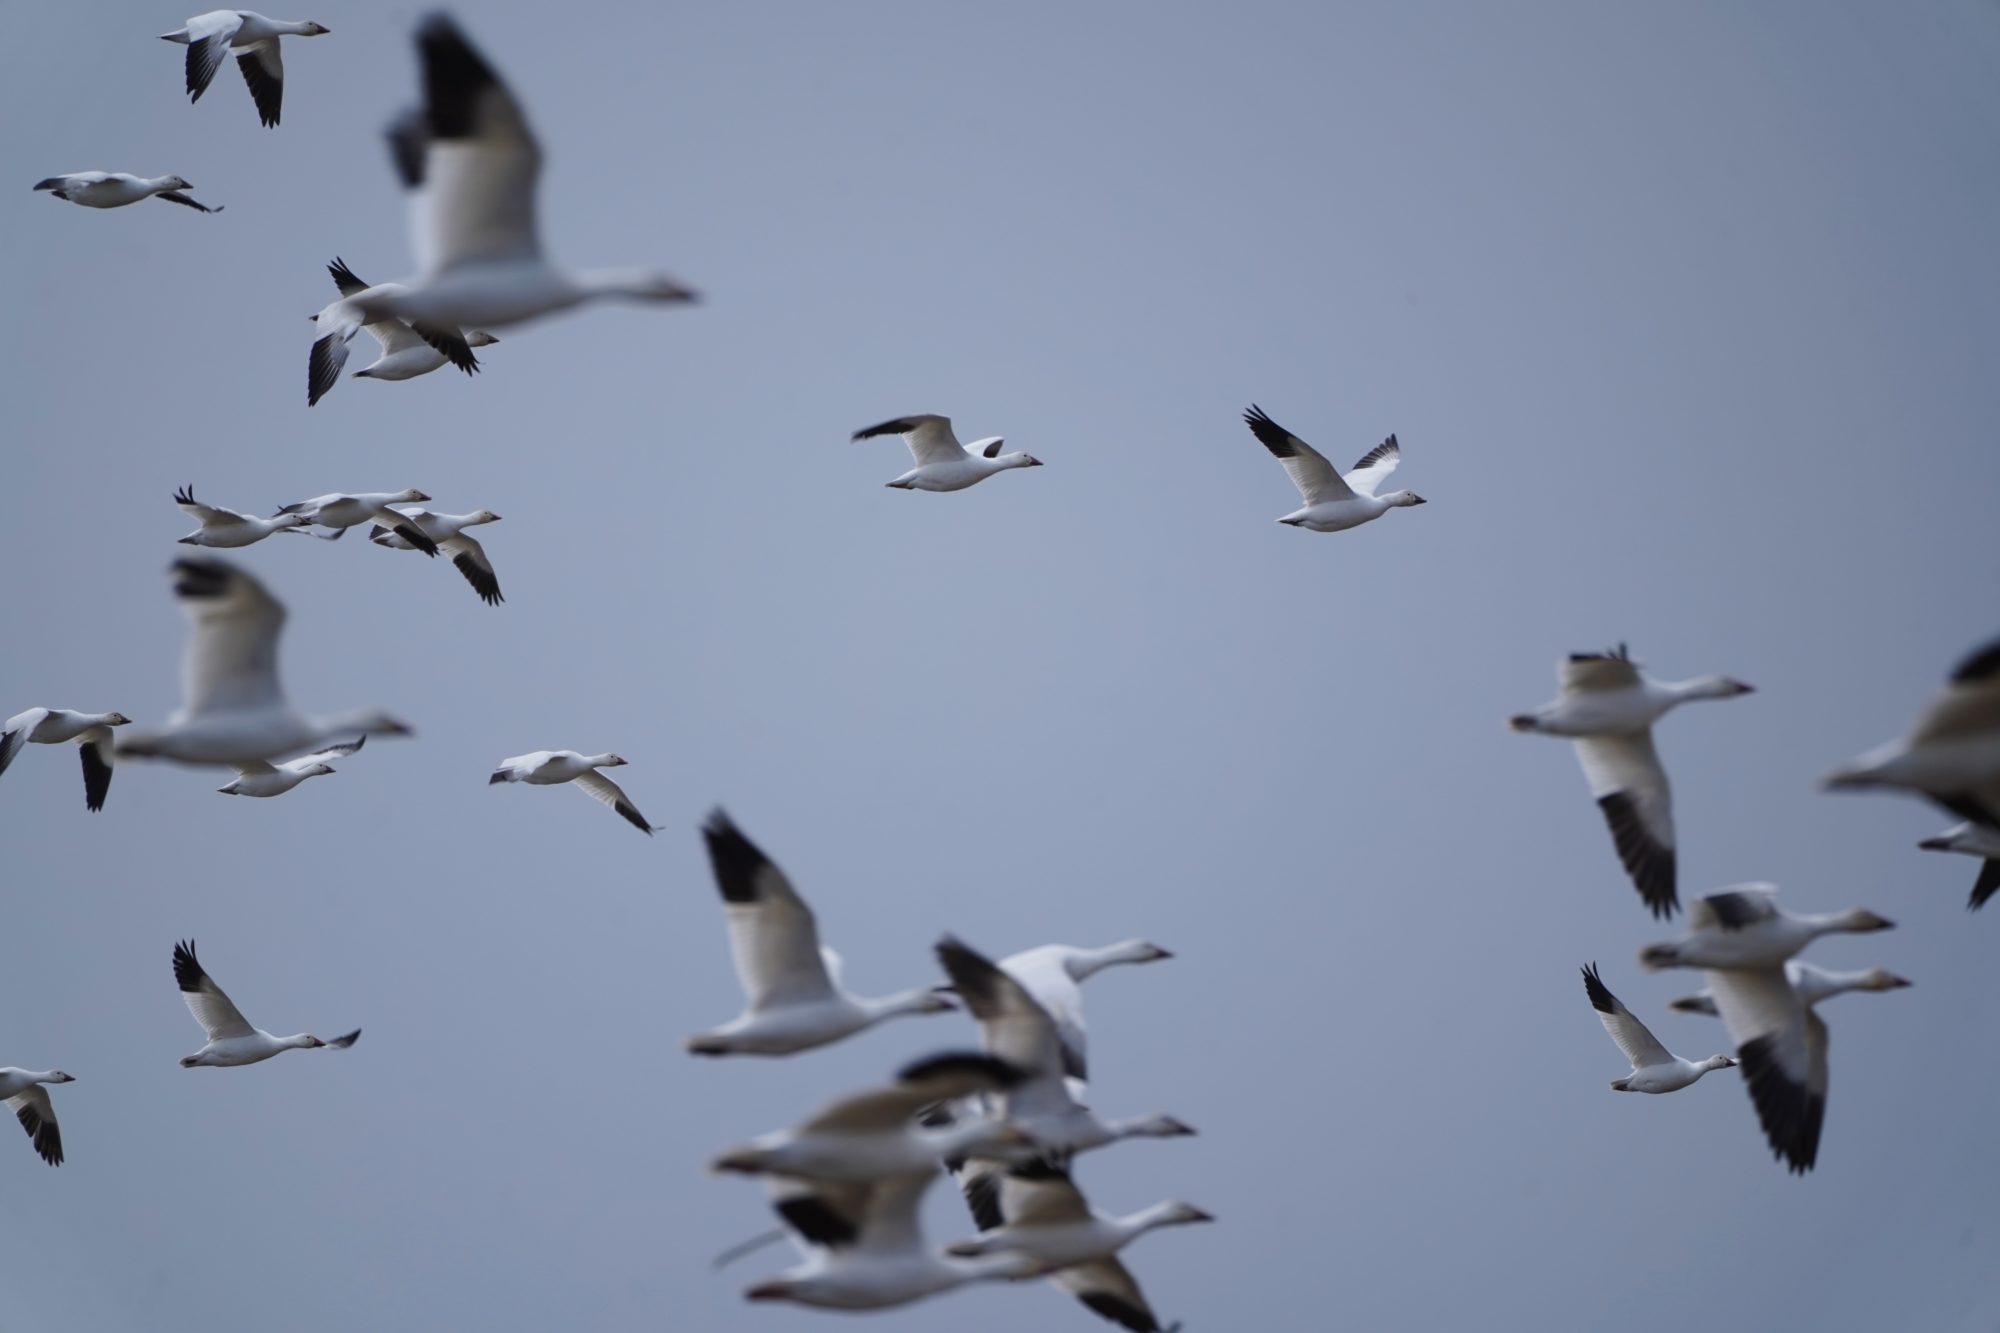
406	353
1333	503
549	768
1654	1068
210	37
226	528
57	726
341	510
257	778
116	189
943	464
28	1099
447	532
1951	754
232	1040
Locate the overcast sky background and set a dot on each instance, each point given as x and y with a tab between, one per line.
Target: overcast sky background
1684	315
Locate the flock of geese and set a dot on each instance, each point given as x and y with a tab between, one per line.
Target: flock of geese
1006	1121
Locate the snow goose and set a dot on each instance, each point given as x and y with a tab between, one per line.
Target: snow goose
340	511
1952	753
115	189
1972	839
792	983
226	528
233	707
261	779
943	464
231	1039
1608	707
1812	983
53	726
1654	1067
209	37
1333	503
1743	926
29	1101
471	164
547	768
406	353
1053	974
447	531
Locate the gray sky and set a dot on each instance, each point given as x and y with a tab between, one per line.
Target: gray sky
1683	315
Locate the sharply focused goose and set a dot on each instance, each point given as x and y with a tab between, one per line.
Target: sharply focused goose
1333	503
547	768
233	708
262	779
340	511
29	1101
1812	983
471	165
1608	708
209	37
53	726
227	528
231	1039
1743	927
115	189
1952	753
406	353
1654	1067
873	1134
1971	839
1054	973
796	1001
943	464
468	557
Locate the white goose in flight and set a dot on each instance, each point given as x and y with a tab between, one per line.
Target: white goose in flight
468	557
115	189
1608	707
231	1039
548	768
233	708
796	1001
55	726
341	511
1972	839
943	464
262	779
406	353
471	166
222	528
1054	974
1654	1067
1812	983
211	36
25	1096
1743	927
1952	752
1333	503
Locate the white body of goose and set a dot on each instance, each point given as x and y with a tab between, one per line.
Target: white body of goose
261	779
943	464
1971	839
1743	927
1608	707
1952	753
57	726
1654	1067
28	1099
341	511
224	528
231	1039
796	1002
1333	503
1054	973
211	36
549	768
471	165
447	531
233	708
406	353
115	189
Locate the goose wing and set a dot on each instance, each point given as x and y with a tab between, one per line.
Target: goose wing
1630	784
231	662
93	747
1781	1045
1041	1194
1734	908
1641	1047
263	67
217	1015
326	756
209	36
14	738
475	196
1013	1026
600	788
929	436
468	557
922	1083
37	1115
205	514
772	934
1108	1289
1589	673
1316	478
1374	468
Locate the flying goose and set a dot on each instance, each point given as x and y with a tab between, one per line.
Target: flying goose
53	726
115	189
29	1101
257	778
340	511
209	37
943	464
1952	752
1743	927
233	708
470	164
406	353
1654	1067
1054	973
547	768
225	527
1608	707
468	557
231	1039
1981	840
1333	503
792	983
1812	983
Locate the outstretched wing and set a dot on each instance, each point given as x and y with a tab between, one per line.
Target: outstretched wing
209	36
1641	1047
205	1000
264	70
1316	479
1375	466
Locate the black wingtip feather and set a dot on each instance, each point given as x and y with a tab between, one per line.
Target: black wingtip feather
1387	449
1617	654
188	973
972	974
634	818
1269	433
1982	664
185	495
899	426
735	859
1790	1114
343	277
322	371
1985	886
982	1197
1601	999
1651	866
96	777
483	580
998	1073
449	344
456	77
268	93
409	138
1120	1311
47	1137
813	1219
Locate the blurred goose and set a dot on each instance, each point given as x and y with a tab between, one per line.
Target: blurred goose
471	165
231	1039
1333	503
1812	983
227	528
943	464
115	189
1608	707
1654	1067
262	779
341	511
1952	752
211	36
1971	839
447	531
29	1101
796	1001
547	768
406	353
54	726
1743	927
233	708
1054	973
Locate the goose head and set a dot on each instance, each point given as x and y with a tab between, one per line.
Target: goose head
411	496
57	1076
1881	978
483	516
315	30
480	338
1861	921
117	720
1405	499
